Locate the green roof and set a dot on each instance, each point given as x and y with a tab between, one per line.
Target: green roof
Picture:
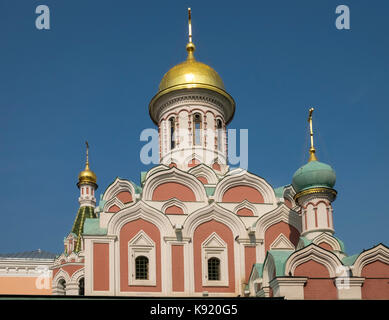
312	175
279	192
143	177
280	257
92	227
305	241
210	191
349	261
78	225
259	268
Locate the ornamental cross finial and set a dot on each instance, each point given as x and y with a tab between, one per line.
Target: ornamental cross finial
312	150
87	155
190	25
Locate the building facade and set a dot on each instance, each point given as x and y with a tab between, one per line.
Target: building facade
193	227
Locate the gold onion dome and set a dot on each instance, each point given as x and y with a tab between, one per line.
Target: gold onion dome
87	176
192	74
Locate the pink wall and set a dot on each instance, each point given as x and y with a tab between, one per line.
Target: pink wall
275	230
101	266
240	193
174	210
128	231
249	260
178	270
124	197
201	233
168	190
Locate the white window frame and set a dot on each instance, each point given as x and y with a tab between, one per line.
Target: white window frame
214	247
141	245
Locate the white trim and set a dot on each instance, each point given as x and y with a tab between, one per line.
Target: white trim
214	247
141	245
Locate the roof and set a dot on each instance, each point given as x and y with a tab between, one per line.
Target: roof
82	214
280	257
279	192
37	254
92	227
210	191
349	261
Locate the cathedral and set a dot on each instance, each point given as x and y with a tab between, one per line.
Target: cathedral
194	228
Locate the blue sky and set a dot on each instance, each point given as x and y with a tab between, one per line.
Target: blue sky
92	75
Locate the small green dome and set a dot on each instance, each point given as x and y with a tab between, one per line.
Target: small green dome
312	175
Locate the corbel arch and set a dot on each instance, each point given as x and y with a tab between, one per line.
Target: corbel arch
140	211
237	178
217	213
156	169
174	202
204	170
246	205
175	176
112	203
118	188
317	254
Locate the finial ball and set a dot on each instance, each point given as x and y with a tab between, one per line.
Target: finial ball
190	47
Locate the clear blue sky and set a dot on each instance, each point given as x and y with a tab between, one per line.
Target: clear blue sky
93	74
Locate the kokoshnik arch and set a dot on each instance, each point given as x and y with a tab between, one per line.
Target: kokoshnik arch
193	227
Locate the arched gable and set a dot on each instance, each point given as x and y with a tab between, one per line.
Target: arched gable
174	203
281	213
377	253
203	170
189	187
61	274
120	193
324	239
245	205
156	169
317	254
242	178
137	211
76	277
217	213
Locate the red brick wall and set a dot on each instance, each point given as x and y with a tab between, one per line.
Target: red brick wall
319	285
376	285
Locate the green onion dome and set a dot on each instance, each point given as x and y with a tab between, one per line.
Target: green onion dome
314	174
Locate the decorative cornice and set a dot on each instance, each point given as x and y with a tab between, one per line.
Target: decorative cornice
314	191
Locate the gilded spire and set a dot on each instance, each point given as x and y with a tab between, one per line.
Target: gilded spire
190	47
312	150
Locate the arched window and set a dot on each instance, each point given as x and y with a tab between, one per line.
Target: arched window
213	269
197	129
172	131
62	287
141	268
219	134
81	287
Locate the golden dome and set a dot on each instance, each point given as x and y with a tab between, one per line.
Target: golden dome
191	74
87	176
